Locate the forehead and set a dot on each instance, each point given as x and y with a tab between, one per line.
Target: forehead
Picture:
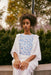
26	20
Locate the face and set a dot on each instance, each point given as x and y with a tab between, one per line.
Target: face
26	24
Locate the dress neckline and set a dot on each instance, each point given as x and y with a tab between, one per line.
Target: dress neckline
27	34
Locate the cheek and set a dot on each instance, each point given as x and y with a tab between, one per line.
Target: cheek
29	26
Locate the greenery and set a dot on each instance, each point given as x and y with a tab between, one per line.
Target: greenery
45	44
7	40
18	7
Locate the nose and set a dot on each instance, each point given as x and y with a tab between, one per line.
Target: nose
25	24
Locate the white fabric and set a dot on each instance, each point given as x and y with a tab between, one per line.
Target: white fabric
27	71
15	47
35	51
25	44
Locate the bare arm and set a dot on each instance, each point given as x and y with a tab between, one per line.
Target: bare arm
25	63
15	56
17	62
30	58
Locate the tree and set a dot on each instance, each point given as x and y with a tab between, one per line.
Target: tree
40	7
49	0
18	7
1	13
15	9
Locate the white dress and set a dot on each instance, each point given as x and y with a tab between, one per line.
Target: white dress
25	46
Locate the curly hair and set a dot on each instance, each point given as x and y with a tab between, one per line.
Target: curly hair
31	17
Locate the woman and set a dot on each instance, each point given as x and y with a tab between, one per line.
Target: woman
26	49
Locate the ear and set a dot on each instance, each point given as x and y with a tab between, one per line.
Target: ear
31	27
21	26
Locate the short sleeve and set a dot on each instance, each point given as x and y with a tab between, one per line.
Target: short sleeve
37	50
15	46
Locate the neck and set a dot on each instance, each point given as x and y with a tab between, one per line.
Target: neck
27	32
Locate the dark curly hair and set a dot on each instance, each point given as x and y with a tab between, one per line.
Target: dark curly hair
31	17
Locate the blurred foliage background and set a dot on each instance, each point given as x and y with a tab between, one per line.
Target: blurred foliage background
18	7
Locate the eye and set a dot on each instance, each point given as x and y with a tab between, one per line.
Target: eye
27	22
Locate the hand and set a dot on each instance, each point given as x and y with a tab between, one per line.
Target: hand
17	64
24	65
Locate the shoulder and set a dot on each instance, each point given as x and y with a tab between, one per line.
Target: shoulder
36	36
17	35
